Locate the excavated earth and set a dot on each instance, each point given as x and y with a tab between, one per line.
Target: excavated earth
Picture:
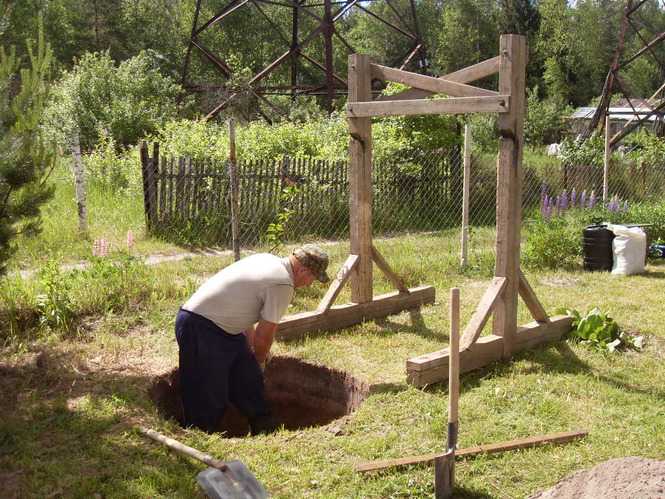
301	395
626	477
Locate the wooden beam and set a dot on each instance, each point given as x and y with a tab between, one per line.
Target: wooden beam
387	271
483	311
465	75
521	443
337	284
360	180
433	367
531	300
512	76
453	105
429	83
341	316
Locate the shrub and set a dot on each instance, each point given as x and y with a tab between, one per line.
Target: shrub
552	244
545	119
127	101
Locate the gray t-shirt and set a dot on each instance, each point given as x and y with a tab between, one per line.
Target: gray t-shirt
257	287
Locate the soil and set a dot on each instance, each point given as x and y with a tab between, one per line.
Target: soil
300	394
632	477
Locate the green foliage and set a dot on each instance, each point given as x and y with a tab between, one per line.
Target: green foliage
598	330
552	244
54	305
113	167
277	230
25	159
125	102
545	120
586	152
647	149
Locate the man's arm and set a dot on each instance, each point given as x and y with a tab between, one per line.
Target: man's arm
263	337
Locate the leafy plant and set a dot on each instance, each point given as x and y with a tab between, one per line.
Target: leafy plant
552	244
275	234
599	330
54	305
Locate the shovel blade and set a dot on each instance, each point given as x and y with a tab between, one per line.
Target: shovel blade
236	482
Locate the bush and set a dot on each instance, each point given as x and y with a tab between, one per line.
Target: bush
545	120
126	102
553	244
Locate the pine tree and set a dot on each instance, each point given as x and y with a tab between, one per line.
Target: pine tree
25	160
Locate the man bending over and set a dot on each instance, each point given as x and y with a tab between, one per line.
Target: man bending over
225	331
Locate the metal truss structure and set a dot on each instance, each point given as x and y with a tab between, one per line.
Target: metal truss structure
326	14
613	82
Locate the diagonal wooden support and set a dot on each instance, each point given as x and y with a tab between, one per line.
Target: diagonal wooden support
388	272
429	83
337	284
531	300
465	75
482	314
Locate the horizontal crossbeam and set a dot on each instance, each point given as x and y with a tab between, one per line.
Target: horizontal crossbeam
341	316
453	105
433	367
434	85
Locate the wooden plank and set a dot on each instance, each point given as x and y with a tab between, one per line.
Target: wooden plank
387	271
360	180
453	105
337	284
433	367
483	312
464	75
512	76
520	443
531	300
341	316
434	85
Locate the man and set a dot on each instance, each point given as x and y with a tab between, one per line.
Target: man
225	331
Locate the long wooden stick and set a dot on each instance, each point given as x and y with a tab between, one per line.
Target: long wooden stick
444	473
182	448
521	443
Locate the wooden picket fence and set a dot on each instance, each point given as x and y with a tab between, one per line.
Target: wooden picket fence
193	199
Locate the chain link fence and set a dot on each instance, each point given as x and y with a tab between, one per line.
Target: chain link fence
297	199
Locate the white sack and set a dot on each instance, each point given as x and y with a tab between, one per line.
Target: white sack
629	248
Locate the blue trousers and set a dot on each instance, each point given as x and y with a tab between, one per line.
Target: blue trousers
216	368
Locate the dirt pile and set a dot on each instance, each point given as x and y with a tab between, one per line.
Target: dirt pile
301	395
632	477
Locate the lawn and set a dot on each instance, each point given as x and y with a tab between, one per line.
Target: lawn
71	404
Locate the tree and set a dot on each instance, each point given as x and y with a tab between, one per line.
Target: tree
25	159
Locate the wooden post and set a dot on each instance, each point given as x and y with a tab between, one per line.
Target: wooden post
444	474
508	187
360	180
233	178
606	158
79	183
149	196
465	195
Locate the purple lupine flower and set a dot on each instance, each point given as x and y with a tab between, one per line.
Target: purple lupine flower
564	200
592	199
583	199
573	198
625	206
543	192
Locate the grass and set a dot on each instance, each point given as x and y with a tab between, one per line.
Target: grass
70	405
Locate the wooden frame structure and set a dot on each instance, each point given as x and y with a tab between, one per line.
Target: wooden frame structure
500	298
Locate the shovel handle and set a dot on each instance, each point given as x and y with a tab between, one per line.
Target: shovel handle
183	449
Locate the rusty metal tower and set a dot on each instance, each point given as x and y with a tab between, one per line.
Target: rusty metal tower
631	18
326	15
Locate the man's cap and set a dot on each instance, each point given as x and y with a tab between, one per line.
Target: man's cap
315	259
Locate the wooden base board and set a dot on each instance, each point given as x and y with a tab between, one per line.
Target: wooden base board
433	367
341	316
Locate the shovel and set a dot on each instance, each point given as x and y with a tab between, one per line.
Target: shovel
223	479
444	466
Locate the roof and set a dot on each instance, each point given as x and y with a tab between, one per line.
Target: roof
616	113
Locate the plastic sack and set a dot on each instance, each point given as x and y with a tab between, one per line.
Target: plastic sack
629	248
